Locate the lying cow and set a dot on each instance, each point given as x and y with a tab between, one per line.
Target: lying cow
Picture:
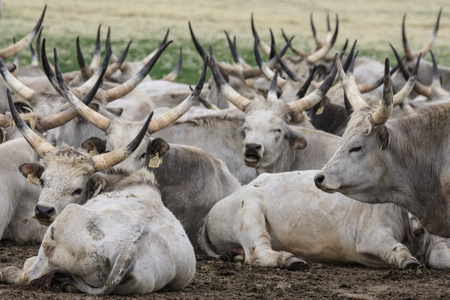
281	219
122	239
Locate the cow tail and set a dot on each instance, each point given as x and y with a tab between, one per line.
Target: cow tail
205	242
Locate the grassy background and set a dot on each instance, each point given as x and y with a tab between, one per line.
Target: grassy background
374	23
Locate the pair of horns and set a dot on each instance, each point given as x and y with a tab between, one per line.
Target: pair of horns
297	106
384	111
99	162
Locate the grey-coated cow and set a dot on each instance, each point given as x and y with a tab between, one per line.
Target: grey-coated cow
403	161
281	219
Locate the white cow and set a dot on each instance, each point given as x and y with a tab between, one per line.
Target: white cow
281	219
122	240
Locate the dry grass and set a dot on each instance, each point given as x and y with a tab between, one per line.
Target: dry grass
374	23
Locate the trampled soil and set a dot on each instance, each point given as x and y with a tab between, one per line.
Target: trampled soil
234	280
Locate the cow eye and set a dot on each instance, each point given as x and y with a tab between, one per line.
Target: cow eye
355	149
77	192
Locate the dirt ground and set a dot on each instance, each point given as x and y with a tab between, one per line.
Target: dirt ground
230	280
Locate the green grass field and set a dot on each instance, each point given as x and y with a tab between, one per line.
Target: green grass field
375	24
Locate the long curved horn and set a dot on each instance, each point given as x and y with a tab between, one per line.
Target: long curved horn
401	95
18	87
96	57
178	111
39	145
154	52
296	51
90	115
118	63
234	97
176	71
427	47
436	77
285	68
50	122
268	73
319	43
233	49
272	94
408	53
418	87
107	160
86	72
99	71
11	50
305	103
354	99
302	91
264	47
130	84
322	52
384	111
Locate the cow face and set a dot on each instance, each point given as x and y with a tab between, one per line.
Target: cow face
267	134
68	177
359	166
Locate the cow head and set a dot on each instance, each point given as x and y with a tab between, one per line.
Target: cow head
68	175
267	130
362	145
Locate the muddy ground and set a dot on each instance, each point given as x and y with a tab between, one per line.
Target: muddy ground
230	280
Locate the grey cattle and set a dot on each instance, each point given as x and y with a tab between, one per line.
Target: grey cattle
403	160
18	197
189	179
126	241
281	219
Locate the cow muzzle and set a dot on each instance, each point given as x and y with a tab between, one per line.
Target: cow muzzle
253	155
45	215
326	184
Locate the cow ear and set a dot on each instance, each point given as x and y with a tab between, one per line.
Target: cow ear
95	185
155	151
3	135
295	139
383	137
94	145
117	111
32	172
242	131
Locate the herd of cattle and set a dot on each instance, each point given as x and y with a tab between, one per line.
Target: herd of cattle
122	178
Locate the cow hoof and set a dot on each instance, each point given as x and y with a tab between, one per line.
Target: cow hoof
296	264
411	264
238	258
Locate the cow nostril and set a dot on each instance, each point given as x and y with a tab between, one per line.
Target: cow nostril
46	211
253	147
318	180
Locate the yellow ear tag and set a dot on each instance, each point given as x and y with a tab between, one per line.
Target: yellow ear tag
94	152
98	189
155	162
4	136
33	179
320	110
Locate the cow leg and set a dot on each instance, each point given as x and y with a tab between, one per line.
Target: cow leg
439	254
383	245
255	240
